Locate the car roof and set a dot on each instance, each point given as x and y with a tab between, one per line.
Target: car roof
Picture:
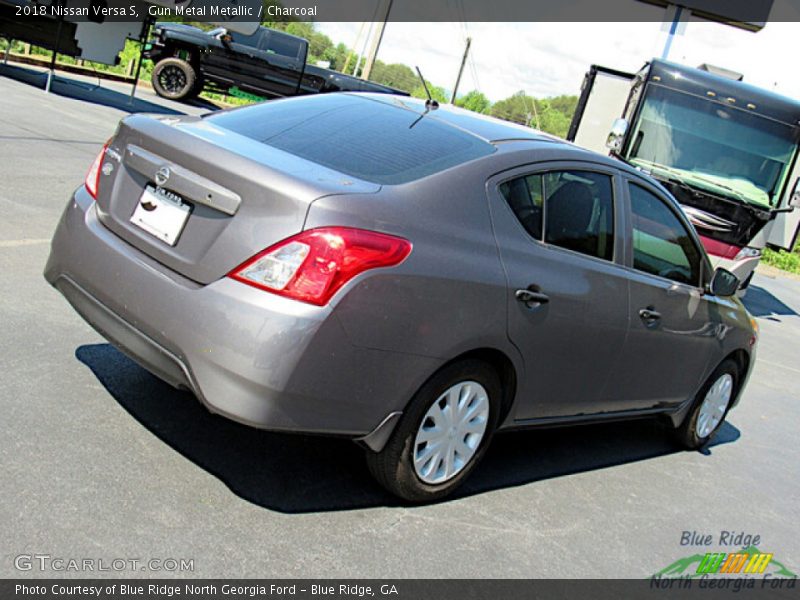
489	129
496	131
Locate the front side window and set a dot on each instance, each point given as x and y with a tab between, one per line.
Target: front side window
661	244
569	209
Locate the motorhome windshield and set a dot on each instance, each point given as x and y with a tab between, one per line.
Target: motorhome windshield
723	149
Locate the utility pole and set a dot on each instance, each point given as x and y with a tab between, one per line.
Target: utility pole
678	17
376	42
460	70
350	54
363	50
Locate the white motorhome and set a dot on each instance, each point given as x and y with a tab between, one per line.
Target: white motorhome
725	149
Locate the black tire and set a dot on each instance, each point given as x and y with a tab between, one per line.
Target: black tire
686	434
393	467
175	79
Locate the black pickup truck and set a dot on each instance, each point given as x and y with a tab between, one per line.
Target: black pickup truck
268	63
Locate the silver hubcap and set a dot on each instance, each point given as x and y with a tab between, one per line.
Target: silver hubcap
714	405
451	432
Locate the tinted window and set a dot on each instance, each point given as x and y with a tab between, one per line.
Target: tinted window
275	43
524	196
246	40
363	138
661	244
578	206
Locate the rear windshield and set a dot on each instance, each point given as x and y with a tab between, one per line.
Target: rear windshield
362	138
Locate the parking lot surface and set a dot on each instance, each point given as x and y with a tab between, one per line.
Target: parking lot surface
101	460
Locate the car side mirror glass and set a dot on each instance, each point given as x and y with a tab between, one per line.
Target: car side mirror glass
617	134
723	283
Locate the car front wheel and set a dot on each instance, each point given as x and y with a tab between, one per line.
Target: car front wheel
443	433
710	407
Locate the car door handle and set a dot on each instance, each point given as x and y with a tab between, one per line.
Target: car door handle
649	315
531	298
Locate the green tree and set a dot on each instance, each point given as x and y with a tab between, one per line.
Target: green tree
336	55
551	115
394	75
518	108
475	101
437	93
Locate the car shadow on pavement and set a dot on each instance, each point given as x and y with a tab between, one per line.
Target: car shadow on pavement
299	474
761	303
95	93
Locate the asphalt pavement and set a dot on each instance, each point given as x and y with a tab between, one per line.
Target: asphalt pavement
101	460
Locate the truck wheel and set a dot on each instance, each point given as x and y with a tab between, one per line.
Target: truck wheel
443	433
174	78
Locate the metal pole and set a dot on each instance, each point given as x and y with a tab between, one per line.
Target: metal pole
460	71
350	54
51	72
8	51
142	40
672	29
363	49
373	53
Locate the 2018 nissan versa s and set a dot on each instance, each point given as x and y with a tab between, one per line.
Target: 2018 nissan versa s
415	280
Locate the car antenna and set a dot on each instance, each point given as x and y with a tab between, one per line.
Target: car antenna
430	103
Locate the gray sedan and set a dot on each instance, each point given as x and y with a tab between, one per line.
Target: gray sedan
412	278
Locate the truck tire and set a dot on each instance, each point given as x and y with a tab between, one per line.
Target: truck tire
175	79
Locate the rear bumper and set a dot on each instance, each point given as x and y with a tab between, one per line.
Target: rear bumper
249	355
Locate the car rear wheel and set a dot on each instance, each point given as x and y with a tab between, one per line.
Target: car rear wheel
443	434
710	407
174	78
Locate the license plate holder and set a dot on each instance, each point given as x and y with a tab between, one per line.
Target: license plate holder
162	214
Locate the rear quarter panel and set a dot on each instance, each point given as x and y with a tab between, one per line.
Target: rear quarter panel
448	296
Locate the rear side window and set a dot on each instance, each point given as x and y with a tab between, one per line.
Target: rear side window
524	196
570	209
661	244
246	40
275	43
368	139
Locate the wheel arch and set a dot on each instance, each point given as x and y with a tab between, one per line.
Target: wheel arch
173	48
503	366
496	359
742	359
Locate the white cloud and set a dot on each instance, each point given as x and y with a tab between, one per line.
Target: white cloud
547	59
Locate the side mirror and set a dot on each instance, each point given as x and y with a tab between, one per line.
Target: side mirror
617	134
794	201
723	283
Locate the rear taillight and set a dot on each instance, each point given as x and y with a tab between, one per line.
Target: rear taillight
311	266
92	181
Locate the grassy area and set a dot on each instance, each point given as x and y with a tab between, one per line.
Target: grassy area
787	261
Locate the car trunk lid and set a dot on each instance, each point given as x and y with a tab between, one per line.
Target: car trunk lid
242	195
